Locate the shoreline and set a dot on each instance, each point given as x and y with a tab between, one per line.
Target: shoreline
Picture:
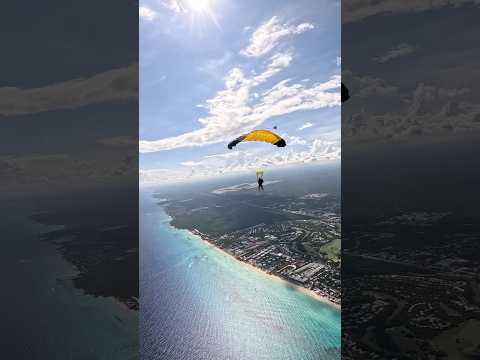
126	305
273	277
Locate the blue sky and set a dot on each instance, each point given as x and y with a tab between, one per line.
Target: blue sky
211	70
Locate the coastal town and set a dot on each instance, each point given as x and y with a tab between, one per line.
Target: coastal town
422	295
280	250
291	234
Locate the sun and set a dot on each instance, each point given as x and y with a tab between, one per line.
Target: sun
199	5
197	10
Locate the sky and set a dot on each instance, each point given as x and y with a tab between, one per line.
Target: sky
411	86
212	70
69	113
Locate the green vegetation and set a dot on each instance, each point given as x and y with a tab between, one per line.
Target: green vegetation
332	249
220	220
311	250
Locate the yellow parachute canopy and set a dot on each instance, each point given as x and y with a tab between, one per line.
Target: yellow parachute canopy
259	173
259	135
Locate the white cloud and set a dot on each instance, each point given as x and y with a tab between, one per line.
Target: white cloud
428	110
146	13
365	86
338	61
395	52
118	141
153	175
174	5
357	10
277	63
118	84
325	149
26	172
243	161
269	34
227	155
246	101
231	112
294	140
305	126
214	67
191	163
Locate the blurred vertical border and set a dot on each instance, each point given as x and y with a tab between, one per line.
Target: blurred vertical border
410	175
69	179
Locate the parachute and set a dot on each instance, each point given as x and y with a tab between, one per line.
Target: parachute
259	173
345	93
259	135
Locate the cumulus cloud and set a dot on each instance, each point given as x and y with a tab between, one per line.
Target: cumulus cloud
269	35
428	110
174	5
118	141
27	172
147	176
242	161
118	84
366	86
294	140
357	10
324	149
146	13
246	101
395	52
305	126
22	170
227	155
215	66
191	163
232	111
277	63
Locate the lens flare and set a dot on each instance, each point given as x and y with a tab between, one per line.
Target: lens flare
199	5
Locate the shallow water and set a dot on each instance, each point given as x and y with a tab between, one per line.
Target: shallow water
198	303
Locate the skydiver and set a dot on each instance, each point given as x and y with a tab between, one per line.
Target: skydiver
260	184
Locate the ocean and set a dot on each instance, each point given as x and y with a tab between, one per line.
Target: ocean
198	303
44	316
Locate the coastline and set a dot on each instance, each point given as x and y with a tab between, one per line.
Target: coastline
273	277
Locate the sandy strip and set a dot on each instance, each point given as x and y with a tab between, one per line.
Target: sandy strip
271	276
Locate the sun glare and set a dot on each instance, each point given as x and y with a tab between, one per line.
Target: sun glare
199	5
198	10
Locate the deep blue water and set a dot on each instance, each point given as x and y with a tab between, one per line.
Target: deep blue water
198	303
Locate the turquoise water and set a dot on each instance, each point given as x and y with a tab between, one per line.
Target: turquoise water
198	303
